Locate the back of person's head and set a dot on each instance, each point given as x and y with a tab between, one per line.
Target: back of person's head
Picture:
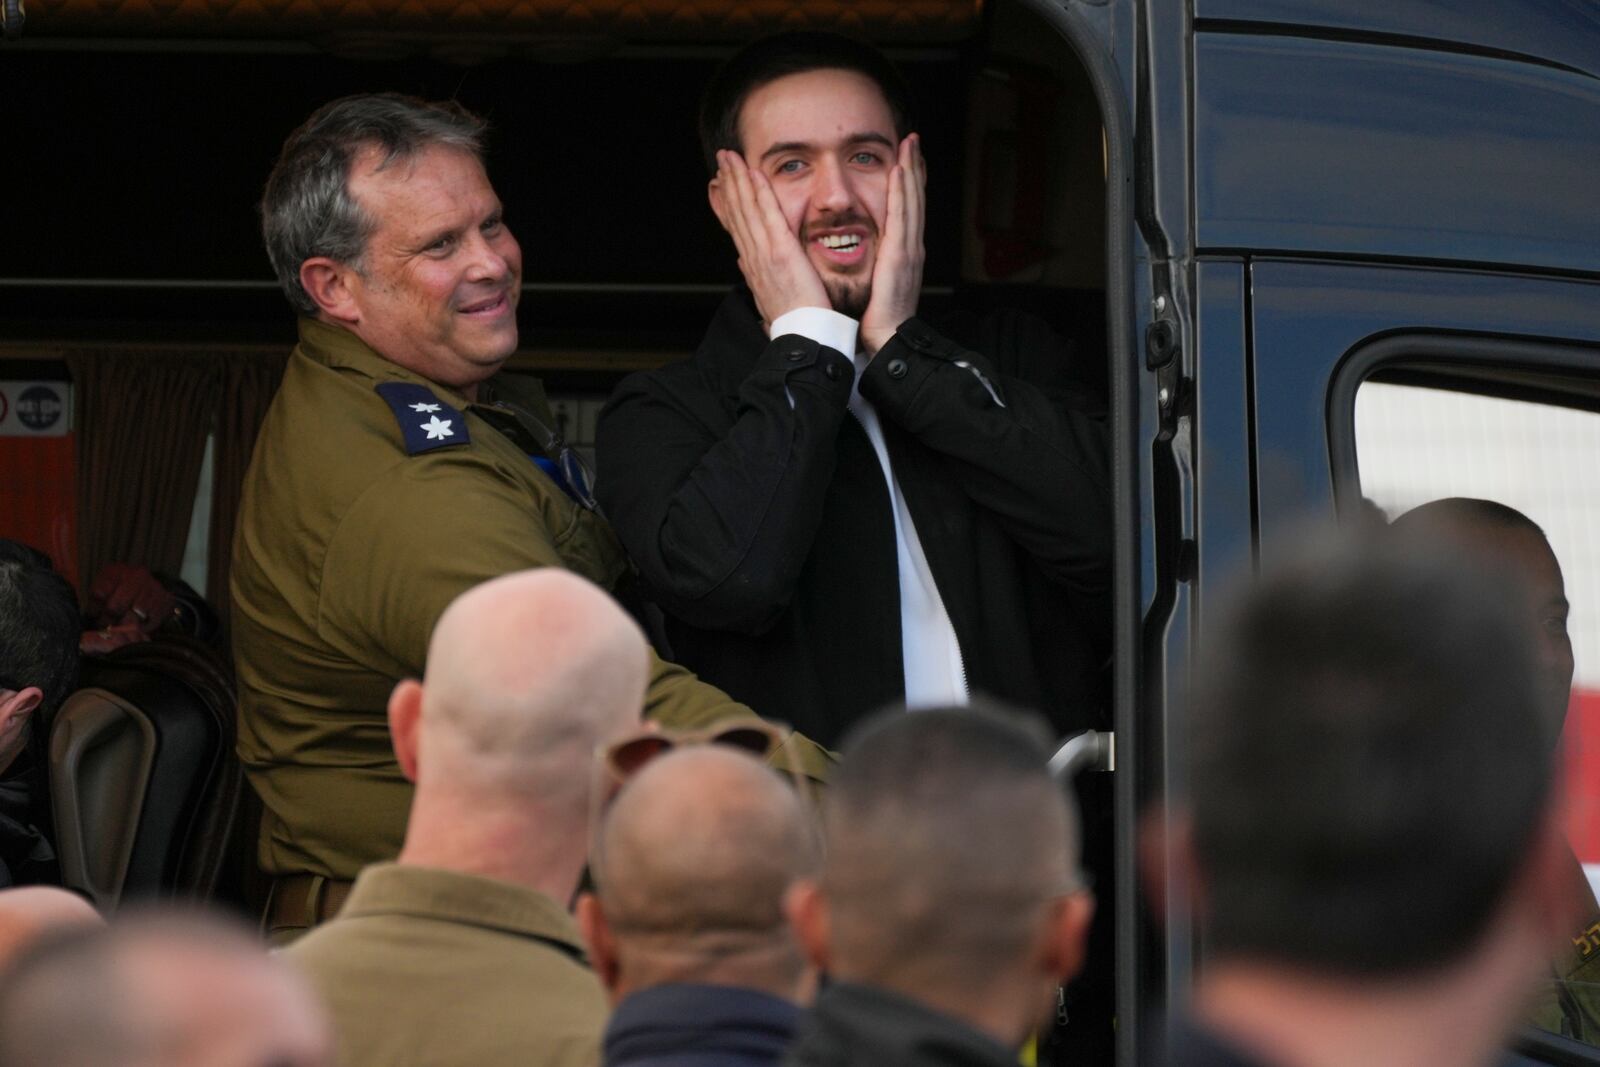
31	912
691	864
39	631
157	990
766	60
307	209
1501	538
951	862
1367	781
39	625
527	675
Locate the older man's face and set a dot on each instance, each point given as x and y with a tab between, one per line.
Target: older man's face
438	284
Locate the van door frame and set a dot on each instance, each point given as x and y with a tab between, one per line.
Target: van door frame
1100	34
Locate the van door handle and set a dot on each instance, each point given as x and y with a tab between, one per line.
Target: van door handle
1088	750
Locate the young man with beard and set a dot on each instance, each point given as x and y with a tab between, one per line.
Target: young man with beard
838	504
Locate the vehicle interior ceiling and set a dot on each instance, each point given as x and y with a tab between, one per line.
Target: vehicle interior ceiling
136	162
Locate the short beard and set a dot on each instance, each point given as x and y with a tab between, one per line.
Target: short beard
848	297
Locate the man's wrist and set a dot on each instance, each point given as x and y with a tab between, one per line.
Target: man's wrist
822	325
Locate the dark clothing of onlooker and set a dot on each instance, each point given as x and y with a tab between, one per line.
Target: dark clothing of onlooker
683	1025
854	1025
26	855
758	513
1188	1044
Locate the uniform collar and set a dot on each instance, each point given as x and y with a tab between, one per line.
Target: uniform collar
336	347
466	899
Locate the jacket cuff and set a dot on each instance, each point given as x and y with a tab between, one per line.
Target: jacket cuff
904	364
796	364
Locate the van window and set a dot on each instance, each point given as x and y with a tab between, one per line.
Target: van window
1417	443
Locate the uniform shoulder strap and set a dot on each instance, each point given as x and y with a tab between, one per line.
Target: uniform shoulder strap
427	422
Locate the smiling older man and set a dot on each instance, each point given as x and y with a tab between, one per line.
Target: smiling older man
394	470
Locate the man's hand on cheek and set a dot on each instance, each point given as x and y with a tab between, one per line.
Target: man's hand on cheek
771	258
897	274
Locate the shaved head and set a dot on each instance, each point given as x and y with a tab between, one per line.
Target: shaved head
692	863
173	991
33	911
526	675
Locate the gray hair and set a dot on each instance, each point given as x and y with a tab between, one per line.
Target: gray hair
307	209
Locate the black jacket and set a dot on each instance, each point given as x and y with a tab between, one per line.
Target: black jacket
854	1025
764	528
688	1025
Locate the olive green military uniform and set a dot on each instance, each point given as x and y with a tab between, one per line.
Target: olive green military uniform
431	967
1569	1002
350	544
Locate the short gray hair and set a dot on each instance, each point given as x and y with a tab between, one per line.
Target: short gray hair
307	209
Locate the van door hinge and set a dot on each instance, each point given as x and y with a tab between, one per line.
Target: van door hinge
1162	348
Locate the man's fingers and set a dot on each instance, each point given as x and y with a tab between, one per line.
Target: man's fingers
772	219
743	207
894	221
739	202
919	183
719	201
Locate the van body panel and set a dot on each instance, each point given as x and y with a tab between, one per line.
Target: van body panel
1360	149
1307	317
1556	31
1224	499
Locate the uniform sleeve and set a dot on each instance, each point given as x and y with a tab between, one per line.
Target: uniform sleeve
719	519
428	530
681	701
1023	444
432	529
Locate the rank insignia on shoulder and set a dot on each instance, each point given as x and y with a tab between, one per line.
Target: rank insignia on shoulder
426	421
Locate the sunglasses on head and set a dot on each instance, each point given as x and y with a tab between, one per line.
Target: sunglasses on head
625	758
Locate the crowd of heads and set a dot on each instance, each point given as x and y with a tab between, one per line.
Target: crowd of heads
1369	777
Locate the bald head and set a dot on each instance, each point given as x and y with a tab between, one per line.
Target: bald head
526	675
1506	542
691	866
170	991
945	836
30	912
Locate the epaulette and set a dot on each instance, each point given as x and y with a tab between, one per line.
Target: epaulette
426	421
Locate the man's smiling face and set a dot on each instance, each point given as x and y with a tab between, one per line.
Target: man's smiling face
826	140
439	281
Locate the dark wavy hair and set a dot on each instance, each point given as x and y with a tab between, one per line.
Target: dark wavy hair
779	56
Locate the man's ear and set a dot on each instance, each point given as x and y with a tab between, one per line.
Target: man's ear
806	908
1066	935
327	282
602	945
16	708
714	196
405	718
